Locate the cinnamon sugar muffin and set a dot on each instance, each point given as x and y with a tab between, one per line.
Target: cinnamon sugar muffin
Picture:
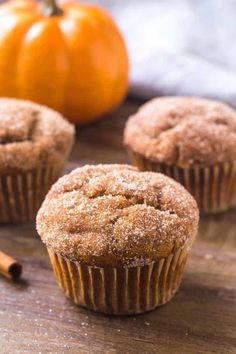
192	140
118	238
34	144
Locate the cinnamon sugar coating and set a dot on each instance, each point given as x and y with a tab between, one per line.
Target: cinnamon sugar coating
115	215
183	131
31	135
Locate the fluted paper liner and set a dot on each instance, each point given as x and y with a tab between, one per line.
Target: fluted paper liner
213	187
22	194
123	290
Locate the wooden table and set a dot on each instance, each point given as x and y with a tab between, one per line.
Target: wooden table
35	317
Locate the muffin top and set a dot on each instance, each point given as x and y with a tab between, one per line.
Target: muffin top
183	131
31	135
115	215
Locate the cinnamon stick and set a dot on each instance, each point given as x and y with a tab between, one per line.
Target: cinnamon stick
9	267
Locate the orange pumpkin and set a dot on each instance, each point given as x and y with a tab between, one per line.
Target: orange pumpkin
71	58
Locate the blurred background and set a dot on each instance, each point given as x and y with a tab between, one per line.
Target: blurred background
184	47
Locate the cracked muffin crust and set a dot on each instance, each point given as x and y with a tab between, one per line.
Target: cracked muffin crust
31	136
183	131
35	142
115	215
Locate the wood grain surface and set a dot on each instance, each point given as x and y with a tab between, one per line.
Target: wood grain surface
35	317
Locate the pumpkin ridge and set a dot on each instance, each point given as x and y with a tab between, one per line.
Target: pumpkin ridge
20	49
69	71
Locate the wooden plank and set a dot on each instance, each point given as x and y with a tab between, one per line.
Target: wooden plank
35	317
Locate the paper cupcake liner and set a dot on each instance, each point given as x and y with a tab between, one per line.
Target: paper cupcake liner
124	290
22	194
213	187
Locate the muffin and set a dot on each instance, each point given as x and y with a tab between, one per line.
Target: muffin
192	140
34	144
118	238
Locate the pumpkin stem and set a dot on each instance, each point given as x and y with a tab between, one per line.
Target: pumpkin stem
50	8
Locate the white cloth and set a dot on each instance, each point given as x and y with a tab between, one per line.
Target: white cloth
179	47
